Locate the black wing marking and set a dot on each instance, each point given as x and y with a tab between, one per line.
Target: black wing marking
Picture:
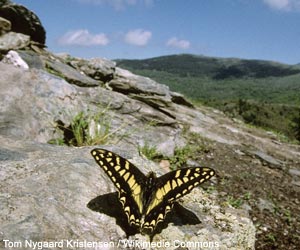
127	178
169	188
182	181
131	209
155	216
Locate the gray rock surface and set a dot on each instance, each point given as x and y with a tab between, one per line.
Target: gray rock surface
128	83
12	40
96	68
271	161
33	59
295	173
70	74
12	57
29	105
51	193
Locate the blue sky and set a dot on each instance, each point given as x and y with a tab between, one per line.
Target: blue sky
252	29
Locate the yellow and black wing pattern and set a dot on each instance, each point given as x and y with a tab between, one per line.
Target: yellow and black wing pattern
128	180
147	199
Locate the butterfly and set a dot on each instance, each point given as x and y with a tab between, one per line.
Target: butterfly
147	200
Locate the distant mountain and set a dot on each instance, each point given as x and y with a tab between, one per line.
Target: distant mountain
213	67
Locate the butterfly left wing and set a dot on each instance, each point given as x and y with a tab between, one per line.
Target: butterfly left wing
171	187
127	178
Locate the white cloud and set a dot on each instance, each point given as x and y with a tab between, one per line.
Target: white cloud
118	4
83	38
138	37
286	5
176	43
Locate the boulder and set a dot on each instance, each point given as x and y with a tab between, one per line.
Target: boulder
13	58
96	68
180	99
24	21
5	2
69	73
129	83
13	41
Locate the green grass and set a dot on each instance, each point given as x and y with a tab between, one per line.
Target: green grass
89	128
178	160
150	152
180	157
271	237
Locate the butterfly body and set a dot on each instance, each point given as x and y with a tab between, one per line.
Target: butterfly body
146	200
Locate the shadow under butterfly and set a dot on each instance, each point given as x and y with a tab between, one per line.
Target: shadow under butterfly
146	204
110	205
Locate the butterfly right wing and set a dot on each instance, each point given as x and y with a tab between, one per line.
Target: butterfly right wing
171	187
178	183
127	178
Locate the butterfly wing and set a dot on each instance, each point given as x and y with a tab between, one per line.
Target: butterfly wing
178	183
155	215
171	187
127	178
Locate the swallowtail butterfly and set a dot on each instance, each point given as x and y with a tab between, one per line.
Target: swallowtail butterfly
147	199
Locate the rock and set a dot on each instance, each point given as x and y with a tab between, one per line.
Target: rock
265	205
5	2
143	89
180	99
155	101
127	83
96	68
271	161
53	193
296	183
5	25
294	172
70	74
134	117
33	59
13	58
24	21
13	41
31	101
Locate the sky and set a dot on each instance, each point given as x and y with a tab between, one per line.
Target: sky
137	29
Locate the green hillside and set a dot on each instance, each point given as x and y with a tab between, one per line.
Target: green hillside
270	90
186	65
